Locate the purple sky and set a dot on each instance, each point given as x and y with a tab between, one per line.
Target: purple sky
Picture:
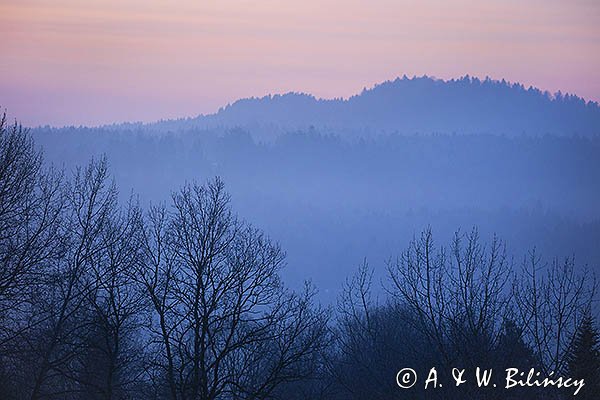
102	61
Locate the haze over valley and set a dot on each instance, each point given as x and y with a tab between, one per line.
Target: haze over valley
335	181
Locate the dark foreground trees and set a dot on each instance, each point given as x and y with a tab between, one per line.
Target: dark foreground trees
223	325
31	231
99	301
584	357
464	306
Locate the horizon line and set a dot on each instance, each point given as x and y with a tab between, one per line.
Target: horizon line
270	95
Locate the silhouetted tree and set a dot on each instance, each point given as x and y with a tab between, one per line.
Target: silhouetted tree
223	325
550	303
31	205
372	342
112	363
459	299
583	361
61	309
513	352
512	349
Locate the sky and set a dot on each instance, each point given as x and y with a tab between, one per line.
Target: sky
73	62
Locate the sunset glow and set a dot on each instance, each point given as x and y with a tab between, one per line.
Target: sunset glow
95	62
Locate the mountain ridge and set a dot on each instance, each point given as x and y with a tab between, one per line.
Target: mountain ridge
425	105
404	105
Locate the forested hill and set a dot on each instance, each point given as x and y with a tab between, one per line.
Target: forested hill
407	106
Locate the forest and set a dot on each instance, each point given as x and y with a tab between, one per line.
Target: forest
289	247
103	297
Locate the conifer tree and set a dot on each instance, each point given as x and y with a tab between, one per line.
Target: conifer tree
584	360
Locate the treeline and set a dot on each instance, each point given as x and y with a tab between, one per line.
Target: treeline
433	171
467	105
101	299
425	105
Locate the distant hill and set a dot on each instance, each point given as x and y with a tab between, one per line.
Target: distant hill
407	106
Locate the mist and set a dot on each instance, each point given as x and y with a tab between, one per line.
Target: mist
340	180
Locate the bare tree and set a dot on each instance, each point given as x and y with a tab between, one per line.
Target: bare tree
225	325
351	366
373	340
551	302
30	214
111	365
61	307
31	205
459	299
157	274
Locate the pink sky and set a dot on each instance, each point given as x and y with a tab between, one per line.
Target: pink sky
102	61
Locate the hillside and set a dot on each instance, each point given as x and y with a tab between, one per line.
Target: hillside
406	106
